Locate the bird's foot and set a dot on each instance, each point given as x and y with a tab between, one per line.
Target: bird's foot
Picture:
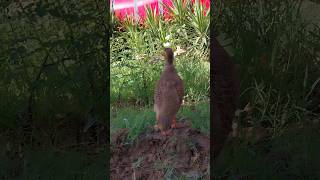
156	127
166	133
176	125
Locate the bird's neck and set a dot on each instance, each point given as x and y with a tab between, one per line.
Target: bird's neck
169	65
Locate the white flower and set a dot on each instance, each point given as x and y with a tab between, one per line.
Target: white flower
167	44
179	51
168	37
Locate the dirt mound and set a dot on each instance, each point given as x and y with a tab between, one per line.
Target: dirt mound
184	154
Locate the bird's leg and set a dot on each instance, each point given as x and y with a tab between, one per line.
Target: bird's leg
175	125
156	127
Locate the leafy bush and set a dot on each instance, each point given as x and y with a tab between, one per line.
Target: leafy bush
135	53
277	52
52	60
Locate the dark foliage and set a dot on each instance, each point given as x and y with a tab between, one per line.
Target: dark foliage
53	88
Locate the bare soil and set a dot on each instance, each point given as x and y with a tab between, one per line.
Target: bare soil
186	153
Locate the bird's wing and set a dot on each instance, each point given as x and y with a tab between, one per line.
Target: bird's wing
180	88
157	94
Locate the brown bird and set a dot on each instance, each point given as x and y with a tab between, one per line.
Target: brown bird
168	95
225	94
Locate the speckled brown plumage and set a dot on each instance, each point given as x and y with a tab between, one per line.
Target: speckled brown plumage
168	95
225	94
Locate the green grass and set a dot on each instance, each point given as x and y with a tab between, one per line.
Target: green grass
136	120
141	120
199	115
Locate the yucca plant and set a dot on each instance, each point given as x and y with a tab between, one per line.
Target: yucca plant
135	39
129	24
179	10
156	24
200	22
152	19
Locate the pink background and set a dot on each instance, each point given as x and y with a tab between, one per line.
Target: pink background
123	7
